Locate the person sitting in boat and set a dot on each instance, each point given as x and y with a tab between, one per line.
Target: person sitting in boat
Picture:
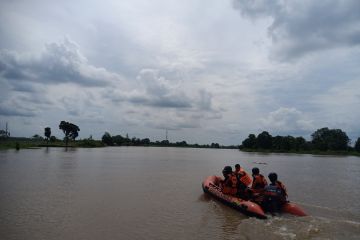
259	181
258	185
243	181
275	194
229	184
242	176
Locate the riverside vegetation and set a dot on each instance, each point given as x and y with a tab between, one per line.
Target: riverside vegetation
323	141
71	132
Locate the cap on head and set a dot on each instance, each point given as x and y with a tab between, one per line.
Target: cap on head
273	177
255	171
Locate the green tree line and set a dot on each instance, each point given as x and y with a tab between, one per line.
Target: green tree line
119	140
322	140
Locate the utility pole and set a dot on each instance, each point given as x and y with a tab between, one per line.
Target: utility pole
5	133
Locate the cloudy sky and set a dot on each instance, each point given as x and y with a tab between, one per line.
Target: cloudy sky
206	70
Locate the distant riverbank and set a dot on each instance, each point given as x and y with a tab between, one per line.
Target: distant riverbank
24	143
21	143
29	143
312	152
323	141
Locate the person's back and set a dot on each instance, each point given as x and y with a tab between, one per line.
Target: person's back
283	190
275	194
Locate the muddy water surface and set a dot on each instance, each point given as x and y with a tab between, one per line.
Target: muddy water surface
155	193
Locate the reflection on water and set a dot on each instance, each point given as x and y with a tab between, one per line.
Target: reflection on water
155	193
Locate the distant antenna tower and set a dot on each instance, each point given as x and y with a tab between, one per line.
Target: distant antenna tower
5	133
166	134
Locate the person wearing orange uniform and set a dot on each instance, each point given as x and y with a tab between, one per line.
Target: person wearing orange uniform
229	184
258	185
244	181
275	194
259	182
242	176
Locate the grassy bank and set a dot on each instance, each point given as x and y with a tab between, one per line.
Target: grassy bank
21	143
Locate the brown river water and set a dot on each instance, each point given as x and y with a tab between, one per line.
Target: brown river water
155	193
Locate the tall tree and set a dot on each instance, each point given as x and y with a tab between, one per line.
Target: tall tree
215	145
118	140
357	145
70	130
264	140
300	143
330	139
250	142
288	143
277	142
145	141
47	134
107	139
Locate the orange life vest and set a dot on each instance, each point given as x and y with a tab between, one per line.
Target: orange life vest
259	182
230	185
243	177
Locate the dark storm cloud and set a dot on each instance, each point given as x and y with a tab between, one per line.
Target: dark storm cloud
169	101
146	99
301	27
59	63
26	87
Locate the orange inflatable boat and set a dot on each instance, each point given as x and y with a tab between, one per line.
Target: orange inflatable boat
211	185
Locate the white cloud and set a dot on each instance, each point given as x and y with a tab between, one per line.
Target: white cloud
286	121
302	27
58	63
338	107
